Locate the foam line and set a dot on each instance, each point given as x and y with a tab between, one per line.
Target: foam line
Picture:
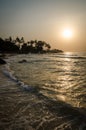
10	74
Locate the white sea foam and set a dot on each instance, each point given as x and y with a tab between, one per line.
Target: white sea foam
10	74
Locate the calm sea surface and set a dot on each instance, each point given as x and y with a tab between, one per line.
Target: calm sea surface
44	92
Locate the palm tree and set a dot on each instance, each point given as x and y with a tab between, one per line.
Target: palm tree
19	42
22	40
47	46
10	39
39	46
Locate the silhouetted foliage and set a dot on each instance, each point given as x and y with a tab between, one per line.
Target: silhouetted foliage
8	46
19	46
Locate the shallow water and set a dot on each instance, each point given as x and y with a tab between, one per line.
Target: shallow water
46	92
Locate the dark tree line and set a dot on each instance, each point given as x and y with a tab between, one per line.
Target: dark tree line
20	46
8	46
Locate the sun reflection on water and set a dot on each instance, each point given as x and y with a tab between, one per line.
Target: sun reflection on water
61	97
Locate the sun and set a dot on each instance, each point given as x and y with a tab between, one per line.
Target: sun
67	33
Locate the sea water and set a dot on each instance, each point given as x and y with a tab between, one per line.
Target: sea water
43	92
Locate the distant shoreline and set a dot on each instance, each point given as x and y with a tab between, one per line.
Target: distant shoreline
19	46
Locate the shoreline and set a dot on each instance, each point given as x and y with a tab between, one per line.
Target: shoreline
31	110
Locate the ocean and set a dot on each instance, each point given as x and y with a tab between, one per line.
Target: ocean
43	92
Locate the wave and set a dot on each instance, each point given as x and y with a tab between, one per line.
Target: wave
10	74
65	114
72	57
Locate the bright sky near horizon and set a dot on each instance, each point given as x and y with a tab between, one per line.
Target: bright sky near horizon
62	23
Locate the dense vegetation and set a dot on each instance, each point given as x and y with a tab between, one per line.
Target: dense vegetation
20	46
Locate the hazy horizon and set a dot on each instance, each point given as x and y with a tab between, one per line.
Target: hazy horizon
45	20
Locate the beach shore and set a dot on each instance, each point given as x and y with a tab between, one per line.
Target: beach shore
22	109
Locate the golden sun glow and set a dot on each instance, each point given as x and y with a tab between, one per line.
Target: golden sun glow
67	33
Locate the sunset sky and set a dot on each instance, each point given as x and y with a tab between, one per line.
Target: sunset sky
62	23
